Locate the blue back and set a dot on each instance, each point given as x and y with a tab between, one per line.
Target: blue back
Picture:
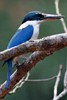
21	36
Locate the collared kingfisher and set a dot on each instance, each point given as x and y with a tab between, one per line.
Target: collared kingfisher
28	30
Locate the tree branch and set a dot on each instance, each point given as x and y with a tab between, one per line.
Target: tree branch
42	47
46	44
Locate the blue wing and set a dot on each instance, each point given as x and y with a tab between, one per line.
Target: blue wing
21	36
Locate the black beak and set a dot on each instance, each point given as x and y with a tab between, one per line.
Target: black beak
52	17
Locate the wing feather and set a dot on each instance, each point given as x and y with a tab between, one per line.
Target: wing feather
21	36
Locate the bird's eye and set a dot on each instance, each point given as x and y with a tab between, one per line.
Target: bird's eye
40	16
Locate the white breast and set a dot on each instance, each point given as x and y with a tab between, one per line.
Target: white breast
35	24
35	32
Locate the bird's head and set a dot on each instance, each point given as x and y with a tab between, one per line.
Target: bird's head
40	17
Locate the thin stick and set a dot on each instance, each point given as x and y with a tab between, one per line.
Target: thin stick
61	94
20	83
57	82
40	80
23	80
58	12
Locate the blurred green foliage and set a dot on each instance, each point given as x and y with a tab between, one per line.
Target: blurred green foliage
11	14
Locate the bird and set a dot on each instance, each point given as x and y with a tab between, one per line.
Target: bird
28	30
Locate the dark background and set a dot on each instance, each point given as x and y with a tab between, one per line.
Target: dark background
11	14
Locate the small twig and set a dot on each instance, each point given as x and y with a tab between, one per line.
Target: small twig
20	83
25	79
58	12
57	82
64	92
61	94
40	80
65	80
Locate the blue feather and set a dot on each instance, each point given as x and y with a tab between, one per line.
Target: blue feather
21	36
9	62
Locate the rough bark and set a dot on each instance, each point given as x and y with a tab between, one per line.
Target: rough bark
41	48
45	44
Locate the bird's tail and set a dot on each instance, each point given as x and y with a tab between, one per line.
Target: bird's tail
9	72
9	62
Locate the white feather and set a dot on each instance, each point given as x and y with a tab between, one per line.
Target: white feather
35	25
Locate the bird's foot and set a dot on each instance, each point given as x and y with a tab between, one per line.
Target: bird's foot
24	58
31	40
17	65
